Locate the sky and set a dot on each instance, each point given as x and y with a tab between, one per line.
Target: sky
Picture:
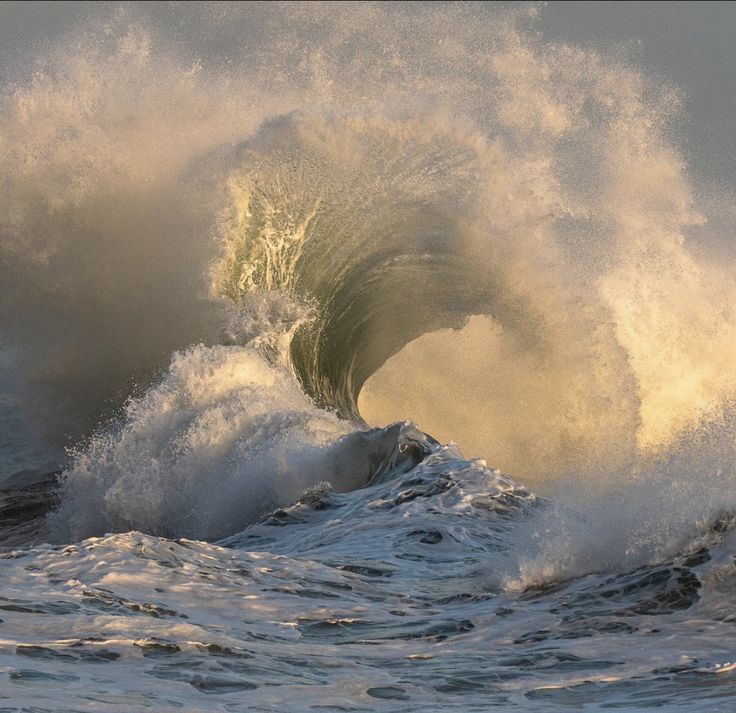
689	43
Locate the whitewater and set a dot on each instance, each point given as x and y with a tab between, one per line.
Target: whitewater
360	357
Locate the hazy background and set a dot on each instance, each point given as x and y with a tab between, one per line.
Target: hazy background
693	44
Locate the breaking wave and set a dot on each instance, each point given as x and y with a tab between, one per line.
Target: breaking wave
492	236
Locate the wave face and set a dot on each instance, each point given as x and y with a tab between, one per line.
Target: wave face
358	216
251	255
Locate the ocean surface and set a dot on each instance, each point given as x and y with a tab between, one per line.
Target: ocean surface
360	357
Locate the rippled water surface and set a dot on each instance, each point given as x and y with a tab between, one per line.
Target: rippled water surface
381	598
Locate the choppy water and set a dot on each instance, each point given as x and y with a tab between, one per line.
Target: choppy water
250	257
380	598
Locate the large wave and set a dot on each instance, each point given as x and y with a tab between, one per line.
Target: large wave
491	235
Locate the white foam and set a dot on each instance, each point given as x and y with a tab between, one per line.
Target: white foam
225	436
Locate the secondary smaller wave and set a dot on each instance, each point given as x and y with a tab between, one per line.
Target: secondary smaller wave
224	436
